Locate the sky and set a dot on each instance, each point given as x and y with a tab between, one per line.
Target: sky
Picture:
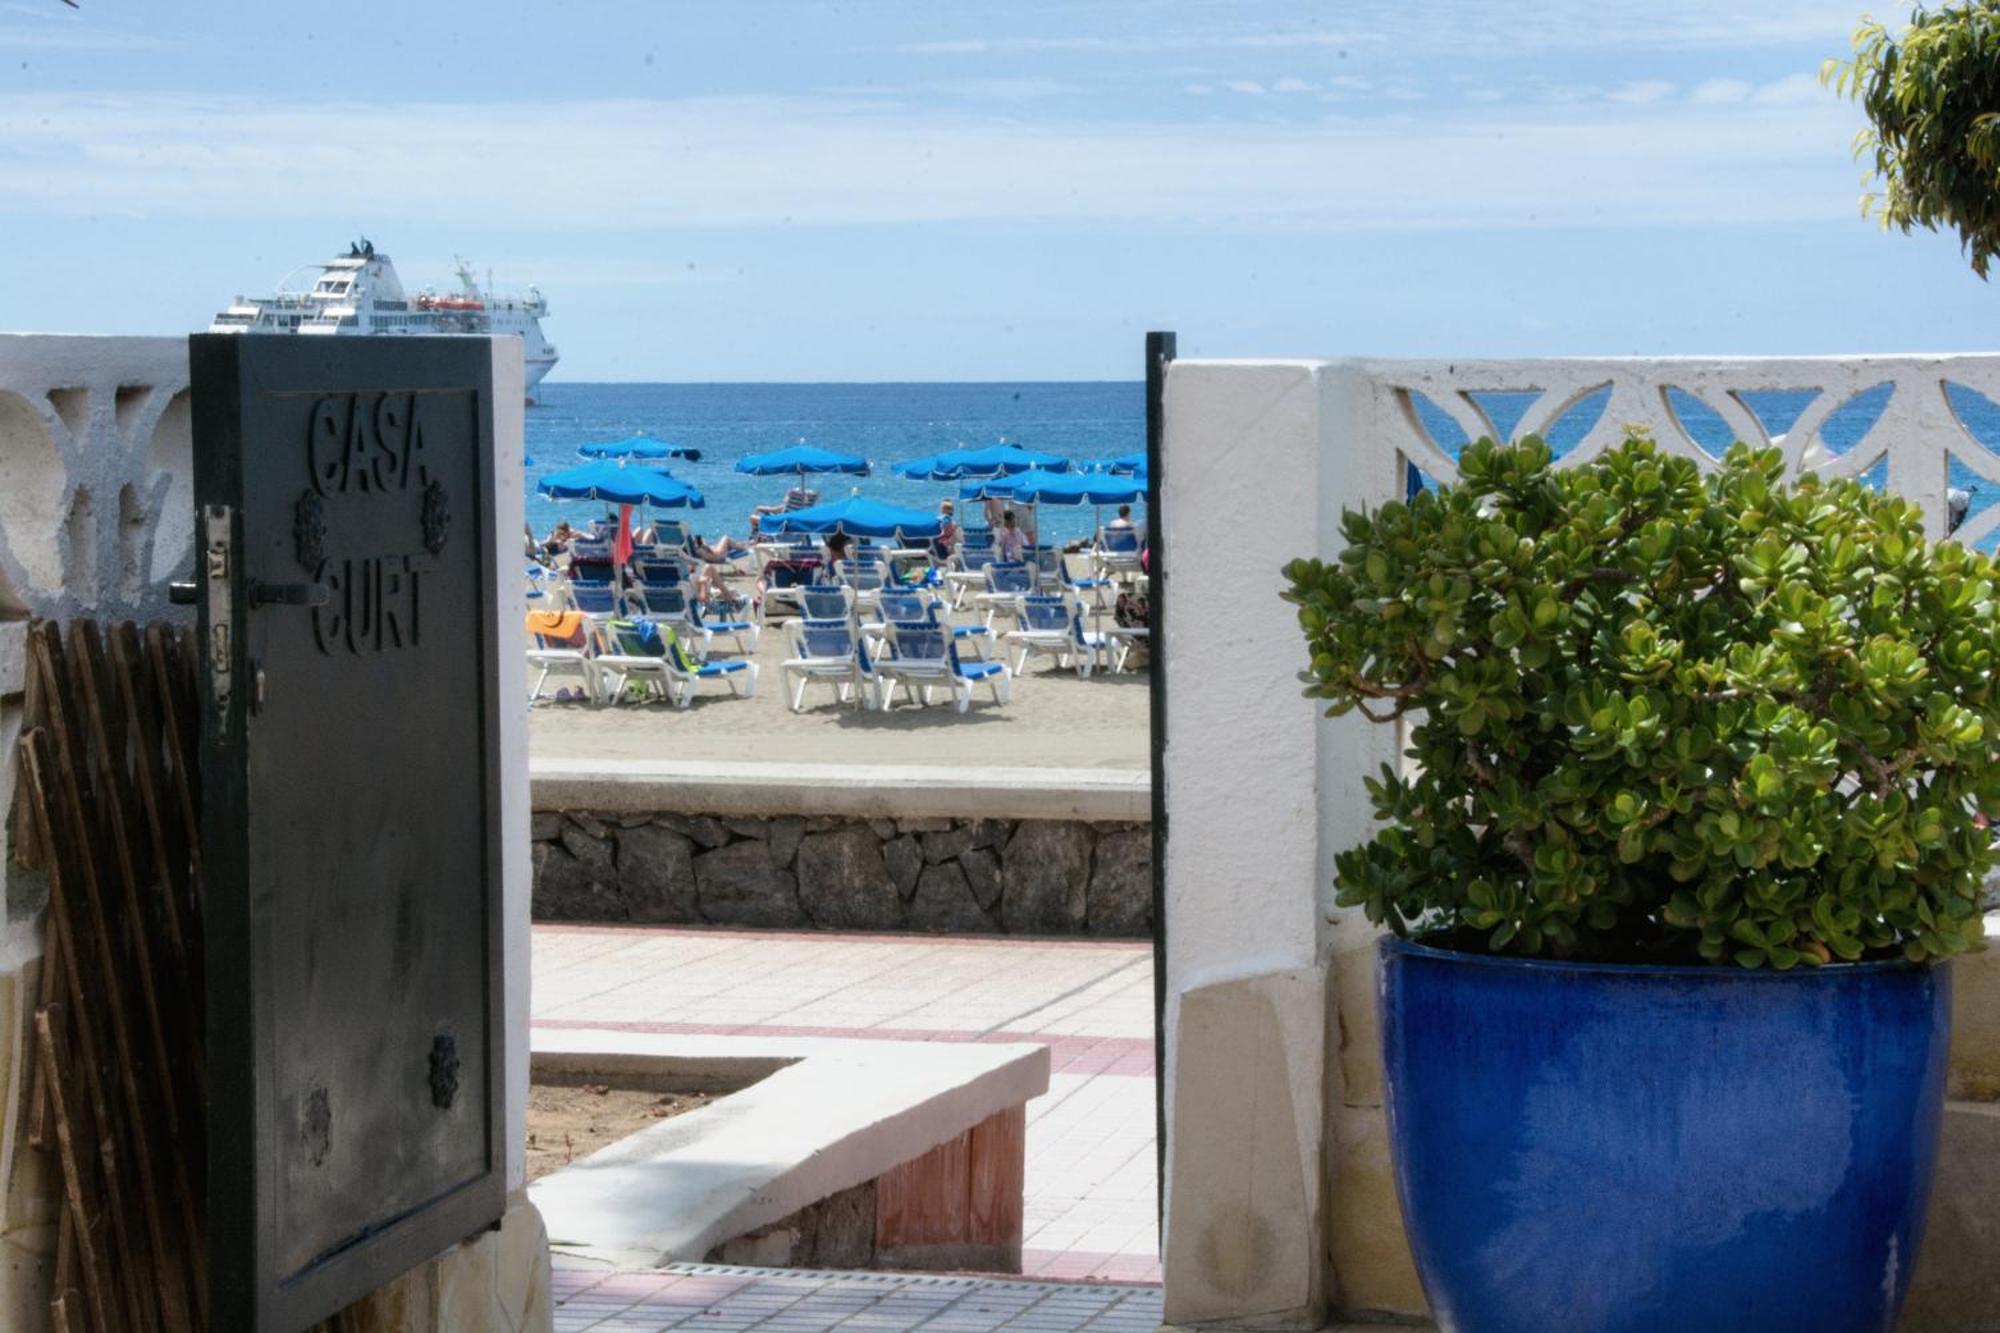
936	190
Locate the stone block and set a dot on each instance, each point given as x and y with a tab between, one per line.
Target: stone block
568	888
1373	1273
1048	877
545	825
590	825
13	657
904	857
844	883
1956	1286
656	874
1358	1041
708	832
500	1280
497	1280
738	885
1243	1237
1120	897
982	874
587	843
785	834
1975	1027
931	824
748	828
944	902
948	843
838	1232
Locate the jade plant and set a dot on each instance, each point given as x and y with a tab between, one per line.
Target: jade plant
1657	715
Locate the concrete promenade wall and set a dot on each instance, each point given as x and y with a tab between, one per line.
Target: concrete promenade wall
1281	1209
845	847
96	516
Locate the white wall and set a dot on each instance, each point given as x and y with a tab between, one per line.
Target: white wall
1269	989
504	525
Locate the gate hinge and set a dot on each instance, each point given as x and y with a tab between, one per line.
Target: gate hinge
215	561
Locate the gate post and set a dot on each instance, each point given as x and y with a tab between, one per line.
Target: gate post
1246	979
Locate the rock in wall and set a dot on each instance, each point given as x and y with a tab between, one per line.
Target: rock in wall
961	876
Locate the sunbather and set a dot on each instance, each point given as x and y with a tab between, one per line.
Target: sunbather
559	538
714	560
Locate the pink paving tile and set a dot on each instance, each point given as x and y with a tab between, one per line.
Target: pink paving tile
1091	1195
1038	943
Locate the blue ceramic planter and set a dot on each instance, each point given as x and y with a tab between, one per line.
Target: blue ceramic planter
1595	1149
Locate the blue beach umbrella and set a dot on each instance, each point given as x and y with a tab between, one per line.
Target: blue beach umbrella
1069	488
1125	465
802	458
995	460
857	516
614	483
641	447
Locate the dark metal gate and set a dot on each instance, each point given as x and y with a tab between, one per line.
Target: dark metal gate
351	813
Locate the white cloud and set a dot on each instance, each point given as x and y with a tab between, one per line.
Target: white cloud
1720	92
1028	89
1468	25
1290	85
1791	90
1642	92
766	162
75	37
1198	89
1250	86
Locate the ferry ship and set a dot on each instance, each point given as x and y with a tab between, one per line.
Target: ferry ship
359	293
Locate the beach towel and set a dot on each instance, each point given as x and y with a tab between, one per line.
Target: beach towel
557	626
644	632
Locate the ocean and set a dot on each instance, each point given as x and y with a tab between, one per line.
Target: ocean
1083	421
884	423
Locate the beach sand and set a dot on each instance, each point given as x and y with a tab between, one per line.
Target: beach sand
1054	720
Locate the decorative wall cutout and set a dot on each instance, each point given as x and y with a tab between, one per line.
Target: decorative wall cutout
1927	423
95	507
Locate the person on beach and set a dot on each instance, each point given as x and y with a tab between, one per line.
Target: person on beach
1010	544
836	551
1123	519
713	562
947	539
559	538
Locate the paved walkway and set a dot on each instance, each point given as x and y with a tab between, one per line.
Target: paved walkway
735	1300
1091	1205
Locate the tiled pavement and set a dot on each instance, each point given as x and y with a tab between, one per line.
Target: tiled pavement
736	1300
1091	1158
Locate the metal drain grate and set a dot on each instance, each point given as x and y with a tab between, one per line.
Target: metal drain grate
876	1281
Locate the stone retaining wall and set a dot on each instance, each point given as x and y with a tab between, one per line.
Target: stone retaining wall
1025	877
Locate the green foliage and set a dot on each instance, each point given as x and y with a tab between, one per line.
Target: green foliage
1933	102
1661	716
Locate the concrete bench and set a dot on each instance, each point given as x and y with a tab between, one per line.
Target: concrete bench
845	1154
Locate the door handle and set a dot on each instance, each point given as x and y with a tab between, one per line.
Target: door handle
287	594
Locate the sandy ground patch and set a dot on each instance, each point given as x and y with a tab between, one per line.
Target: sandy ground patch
567	1124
